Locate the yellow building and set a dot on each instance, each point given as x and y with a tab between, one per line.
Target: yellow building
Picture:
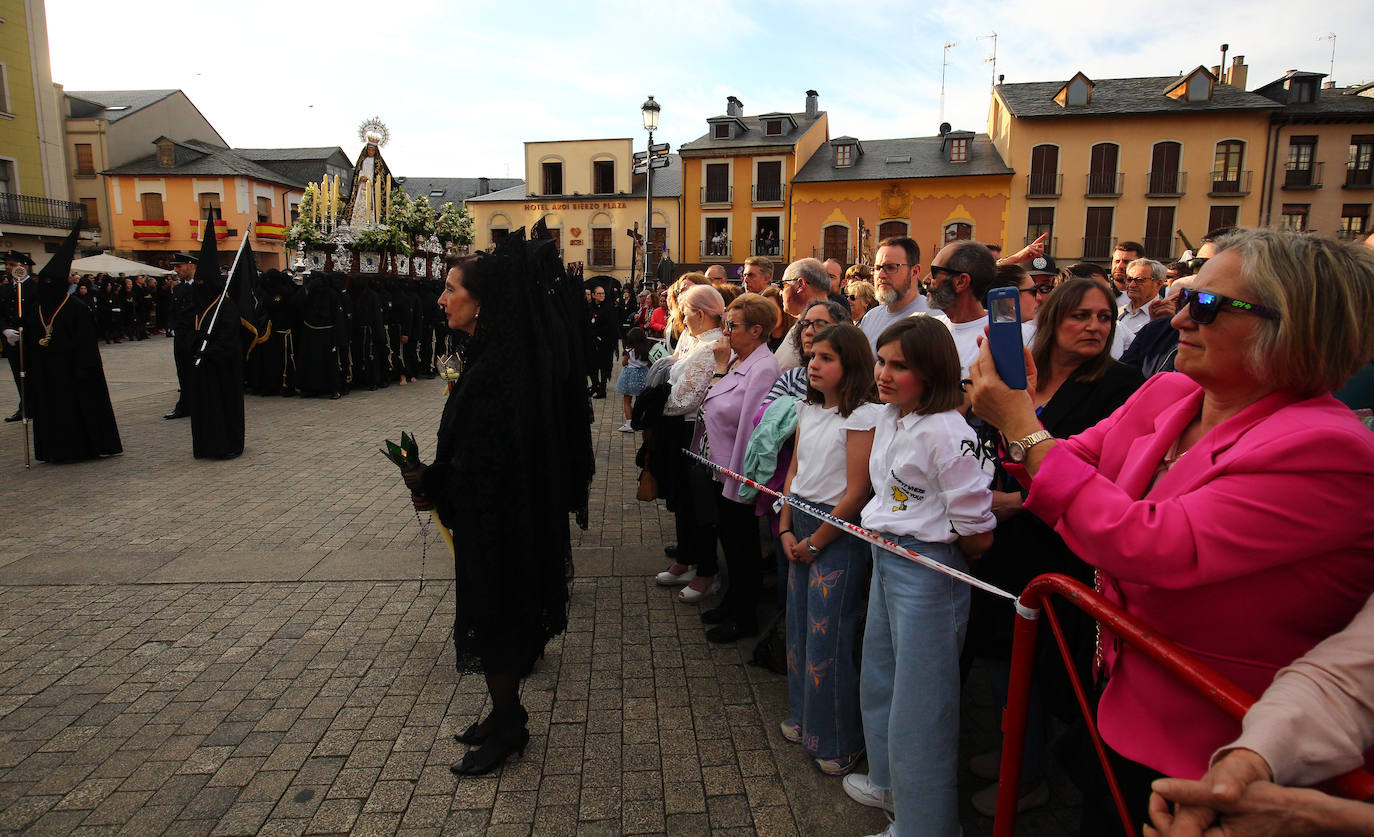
736	179
35	214
1140	159
935	189
1320	171
587	194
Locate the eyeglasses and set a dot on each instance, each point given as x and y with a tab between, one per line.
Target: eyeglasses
935	268
1203	306
729	326
1037	290
890	268
803	325
1140	280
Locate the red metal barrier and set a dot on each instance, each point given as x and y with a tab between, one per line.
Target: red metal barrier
1226	695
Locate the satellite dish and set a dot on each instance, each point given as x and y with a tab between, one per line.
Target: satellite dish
945	128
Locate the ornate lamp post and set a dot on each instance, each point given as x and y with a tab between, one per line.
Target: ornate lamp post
650	110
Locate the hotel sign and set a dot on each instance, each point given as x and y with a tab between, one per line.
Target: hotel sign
555	207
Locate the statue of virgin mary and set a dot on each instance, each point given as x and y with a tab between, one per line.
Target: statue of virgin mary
370	168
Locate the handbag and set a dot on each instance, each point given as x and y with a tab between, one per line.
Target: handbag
648	487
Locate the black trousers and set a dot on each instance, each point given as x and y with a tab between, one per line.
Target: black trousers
12	355
694	520
738	530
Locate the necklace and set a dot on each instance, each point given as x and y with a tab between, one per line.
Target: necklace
46	339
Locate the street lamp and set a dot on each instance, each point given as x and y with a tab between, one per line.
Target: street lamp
650	110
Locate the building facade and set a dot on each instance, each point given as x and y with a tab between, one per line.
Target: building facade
1141	159
586	193
935	189
736	181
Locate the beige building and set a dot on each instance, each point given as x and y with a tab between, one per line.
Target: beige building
587	194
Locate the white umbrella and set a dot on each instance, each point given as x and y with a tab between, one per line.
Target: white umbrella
114	265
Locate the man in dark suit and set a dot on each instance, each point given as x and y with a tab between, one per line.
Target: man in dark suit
183	331
17	265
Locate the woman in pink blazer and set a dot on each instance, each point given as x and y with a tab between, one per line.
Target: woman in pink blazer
1229	506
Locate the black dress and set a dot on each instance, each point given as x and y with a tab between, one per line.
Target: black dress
67	394
216	396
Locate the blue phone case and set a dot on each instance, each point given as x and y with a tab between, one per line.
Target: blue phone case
1004	335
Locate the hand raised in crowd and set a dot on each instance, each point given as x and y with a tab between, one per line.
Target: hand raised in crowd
1030	251
722	351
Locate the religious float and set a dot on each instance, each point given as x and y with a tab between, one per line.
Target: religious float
369	225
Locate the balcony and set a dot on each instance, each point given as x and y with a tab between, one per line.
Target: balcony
1098	247
1044	184
156	229
32	211
1309	177
1104	185
717	195
1165	184
715	250
1349	235
221	229
844	257
770	193
1359	178
1232	183
601	257
1159	247
771	249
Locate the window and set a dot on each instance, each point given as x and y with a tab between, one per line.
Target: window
166	153
1226	166
958	150
768	237
1354	221
773	128
1040	221
1298	169
8	183
498	235
1295	216
844	155
1199	88
717	183
1302	91
891	229
720	130
553	179
436	193
658	241
1223	218
264	210
85	160
602	254
152	206
91	209
4	89
209	202
1097	233
295	212
1159	232
1044	171
1102	169
958	231
1359	167
769	187
835	244
603	177
1165	178
1079	93
557	235
717	242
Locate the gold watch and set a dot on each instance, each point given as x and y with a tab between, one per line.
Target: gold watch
1016	451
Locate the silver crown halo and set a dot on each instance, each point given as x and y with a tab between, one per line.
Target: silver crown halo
374	130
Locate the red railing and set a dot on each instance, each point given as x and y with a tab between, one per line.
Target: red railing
1227	696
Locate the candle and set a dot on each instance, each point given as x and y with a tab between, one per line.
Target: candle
388	197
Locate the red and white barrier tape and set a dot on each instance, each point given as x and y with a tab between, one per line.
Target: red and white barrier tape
857	531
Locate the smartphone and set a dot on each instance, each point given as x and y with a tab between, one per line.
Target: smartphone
1004	335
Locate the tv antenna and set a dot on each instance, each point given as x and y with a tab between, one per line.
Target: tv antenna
944	63
992	60
1331	71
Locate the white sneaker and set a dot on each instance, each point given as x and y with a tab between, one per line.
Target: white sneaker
626	428
863	792
668	578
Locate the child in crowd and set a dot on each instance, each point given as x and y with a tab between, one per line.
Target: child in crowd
826	576
634	363
930	496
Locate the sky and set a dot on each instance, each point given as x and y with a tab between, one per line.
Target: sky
462	85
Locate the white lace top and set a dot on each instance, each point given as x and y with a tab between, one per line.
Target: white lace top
690	377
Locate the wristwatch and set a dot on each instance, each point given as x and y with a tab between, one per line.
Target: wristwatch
1016	451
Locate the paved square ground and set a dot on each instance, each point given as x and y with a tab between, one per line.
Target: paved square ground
261	646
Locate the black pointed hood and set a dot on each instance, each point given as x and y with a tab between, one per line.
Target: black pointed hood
56	274
208	282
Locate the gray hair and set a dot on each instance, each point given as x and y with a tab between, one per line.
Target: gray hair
811	270
837	312
1158	271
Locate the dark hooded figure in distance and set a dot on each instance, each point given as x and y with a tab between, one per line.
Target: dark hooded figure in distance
217	379
67	395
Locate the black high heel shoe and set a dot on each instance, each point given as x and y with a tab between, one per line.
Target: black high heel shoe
492	754
475	734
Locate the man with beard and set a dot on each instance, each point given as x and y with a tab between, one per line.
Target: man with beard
216	370
17	265
183	330
68	398
961	275
895	273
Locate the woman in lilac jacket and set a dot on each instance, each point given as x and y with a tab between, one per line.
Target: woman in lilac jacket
1227	506
745	371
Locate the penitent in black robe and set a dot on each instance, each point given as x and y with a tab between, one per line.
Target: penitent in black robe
67	394
217	386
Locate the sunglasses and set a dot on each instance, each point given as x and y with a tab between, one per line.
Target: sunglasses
1203	306
853	297
1038	290
1194	265
935	268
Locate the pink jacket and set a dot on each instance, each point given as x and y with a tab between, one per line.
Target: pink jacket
730	407
1258	544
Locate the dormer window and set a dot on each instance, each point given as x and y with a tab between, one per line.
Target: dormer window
773	128
721	130
958	150
844	156
1196	87
1076	93
166	153
1302	91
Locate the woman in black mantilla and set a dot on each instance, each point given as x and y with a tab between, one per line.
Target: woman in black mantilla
514	458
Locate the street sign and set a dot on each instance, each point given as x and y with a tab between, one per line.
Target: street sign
640	169
659	162
640	156
659	148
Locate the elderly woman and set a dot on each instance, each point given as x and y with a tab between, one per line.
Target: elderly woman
861	295
692	496
744	370
1227	506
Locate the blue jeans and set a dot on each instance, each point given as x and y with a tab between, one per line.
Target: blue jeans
824	606
909	688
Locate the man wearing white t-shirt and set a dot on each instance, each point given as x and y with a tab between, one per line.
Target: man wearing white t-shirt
1144	278
896	275
960	276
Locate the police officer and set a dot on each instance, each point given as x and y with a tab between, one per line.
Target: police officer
183	330
17	265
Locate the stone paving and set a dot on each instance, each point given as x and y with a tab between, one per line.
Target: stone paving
261	646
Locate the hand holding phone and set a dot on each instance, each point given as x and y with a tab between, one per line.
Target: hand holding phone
1004	336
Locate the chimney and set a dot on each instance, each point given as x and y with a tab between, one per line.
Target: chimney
813	104
483	185
1216	71
1329	85
733	107
1238	73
